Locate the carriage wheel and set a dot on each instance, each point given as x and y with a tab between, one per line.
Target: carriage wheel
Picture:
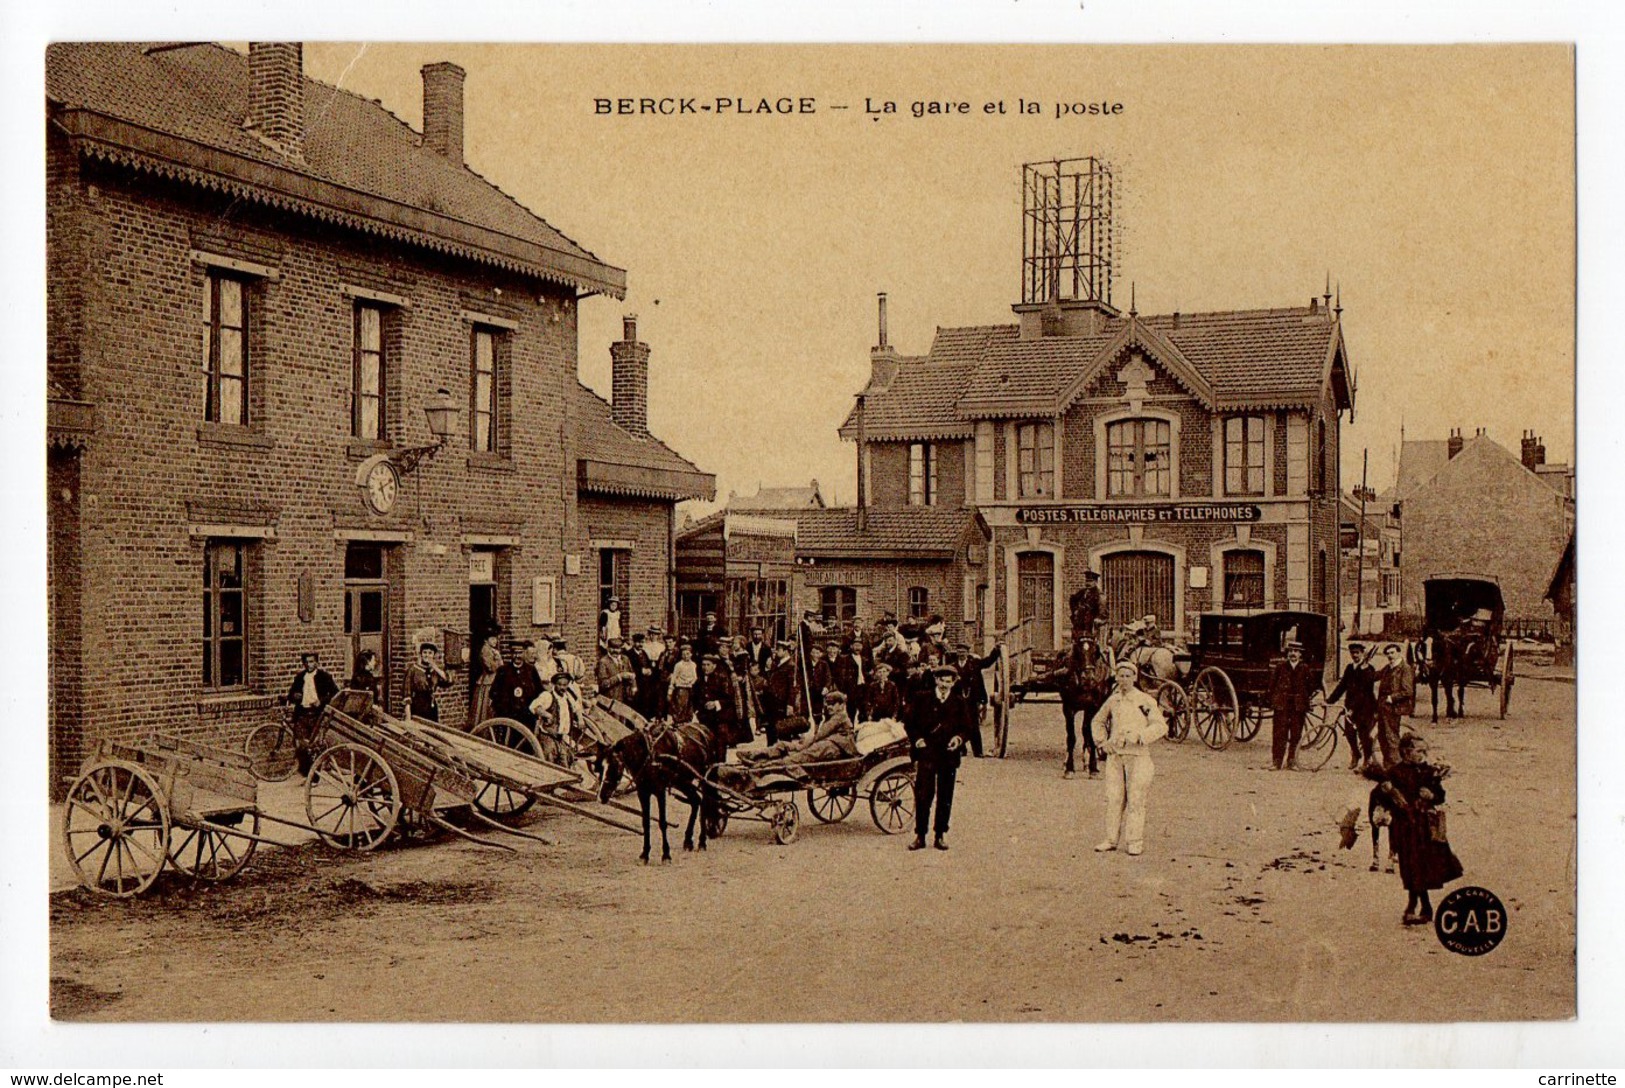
1001	730
495	800
115	829
831	806
206	853
715	823
786	822
1250	722
1171	701
273	753
891	802
1506	681
1212	709
352	799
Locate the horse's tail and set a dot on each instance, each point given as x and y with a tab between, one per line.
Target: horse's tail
612	771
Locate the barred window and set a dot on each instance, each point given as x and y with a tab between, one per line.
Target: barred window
1244	578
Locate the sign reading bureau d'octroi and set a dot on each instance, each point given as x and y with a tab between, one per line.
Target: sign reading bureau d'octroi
1139	514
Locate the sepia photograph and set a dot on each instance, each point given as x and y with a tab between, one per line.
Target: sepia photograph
785	534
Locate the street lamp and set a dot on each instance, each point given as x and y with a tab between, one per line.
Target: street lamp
441	412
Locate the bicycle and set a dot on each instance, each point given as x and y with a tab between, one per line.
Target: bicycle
273	747
1322	725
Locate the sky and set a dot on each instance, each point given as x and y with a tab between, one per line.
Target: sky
1433	185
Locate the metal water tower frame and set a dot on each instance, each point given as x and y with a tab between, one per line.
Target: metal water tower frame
1067	246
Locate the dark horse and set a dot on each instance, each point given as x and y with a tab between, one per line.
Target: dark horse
1083	681
1440	660
674	757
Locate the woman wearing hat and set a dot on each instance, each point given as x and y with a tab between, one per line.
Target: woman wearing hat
489	659
1125	727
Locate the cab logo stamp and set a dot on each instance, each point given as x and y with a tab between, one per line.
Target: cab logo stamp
1471	921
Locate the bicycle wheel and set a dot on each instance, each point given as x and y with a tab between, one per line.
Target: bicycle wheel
1319	741
273	753
1171	701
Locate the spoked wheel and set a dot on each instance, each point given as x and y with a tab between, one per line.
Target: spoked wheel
786	823
1320	729
891	802
831	806
1506	680
496	800
715	823
1001	706
352	799
1250	722
273	754
1171	701
115	829
206	853
1212	709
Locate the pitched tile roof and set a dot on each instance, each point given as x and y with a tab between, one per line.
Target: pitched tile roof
200	94
776	498
1419	461
924	532
1245	357
599	438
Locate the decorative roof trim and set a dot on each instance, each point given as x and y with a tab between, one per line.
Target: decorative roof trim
643	482
1334	350
166	155
1159	347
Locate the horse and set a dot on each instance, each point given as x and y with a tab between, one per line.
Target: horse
1147	653
1440	660
673	758
1083	680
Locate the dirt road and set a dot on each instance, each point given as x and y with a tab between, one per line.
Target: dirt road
1242	908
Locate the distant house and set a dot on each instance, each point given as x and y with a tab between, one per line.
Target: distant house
1370	558
772	500
1472	505
1561	593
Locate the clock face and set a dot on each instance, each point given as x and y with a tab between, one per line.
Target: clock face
382	487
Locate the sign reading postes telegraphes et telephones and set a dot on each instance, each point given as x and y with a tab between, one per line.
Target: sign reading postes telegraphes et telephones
1158	513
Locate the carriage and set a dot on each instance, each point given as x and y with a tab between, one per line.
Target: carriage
1466	612
766	791
1226	692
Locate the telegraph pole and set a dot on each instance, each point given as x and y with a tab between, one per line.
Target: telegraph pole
1359	549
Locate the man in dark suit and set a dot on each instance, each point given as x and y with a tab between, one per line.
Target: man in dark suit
849	673
761	654
1291	685
823	676
1085	606
710	638
938	724
714	705
974	687
779	692
1358	689
883	699
1396	700
309	693
516	685
643	670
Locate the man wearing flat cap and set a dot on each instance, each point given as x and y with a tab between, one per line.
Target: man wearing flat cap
616	676
1291	686
1358	689
1085	606
938	724
714	702
974	687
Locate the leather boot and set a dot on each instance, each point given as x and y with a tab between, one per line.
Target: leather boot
918	843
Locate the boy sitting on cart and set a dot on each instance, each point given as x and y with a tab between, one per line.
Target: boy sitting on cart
833	739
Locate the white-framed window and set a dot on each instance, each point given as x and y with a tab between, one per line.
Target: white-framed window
1139	458
838	604
483	390
919	602
368	417
1035	460
225	614
922	474
1244	455
226	349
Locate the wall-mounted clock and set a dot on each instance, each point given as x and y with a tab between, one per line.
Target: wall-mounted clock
380	483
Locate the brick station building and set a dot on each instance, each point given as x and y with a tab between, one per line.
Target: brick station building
1190	459
257	285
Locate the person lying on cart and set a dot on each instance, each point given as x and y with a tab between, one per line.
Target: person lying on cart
558	719
834	738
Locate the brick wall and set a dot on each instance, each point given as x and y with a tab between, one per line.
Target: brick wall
882	586
888	473
644	524
293	468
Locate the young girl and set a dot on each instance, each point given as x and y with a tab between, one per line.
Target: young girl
1413	789
680	691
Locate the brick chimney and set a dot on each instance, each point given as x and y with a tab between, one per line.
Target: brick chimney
883	361
1453	446
1534	454
443	109
276	95
629	403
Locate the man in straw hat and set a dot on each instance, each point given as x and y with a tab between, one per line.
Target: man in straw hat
1125	727
1291	685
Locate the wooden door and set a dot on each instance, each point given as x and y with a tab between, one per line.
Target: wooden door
1035	572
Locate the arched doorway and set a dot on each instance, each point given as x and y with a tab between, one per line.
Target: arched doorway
1138	583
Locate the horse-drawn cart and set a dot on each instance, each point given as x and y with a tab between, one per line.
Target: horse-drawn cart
1461	640
765	791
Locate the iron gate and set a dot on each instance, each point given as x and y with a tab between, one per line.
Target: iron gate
1135	584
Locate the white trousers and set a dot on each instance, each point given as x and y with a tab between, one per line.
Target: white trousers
1128	782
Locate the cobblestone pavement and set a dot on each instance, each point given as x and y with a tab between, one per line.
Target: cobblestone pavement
1242	908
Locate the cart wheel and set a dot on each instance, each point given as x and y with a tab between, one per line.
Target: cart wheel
115	829
891	802
206	853
1002	705
273	754
495	800
1171	701
1212	708
831	806
352	799
1001	730
1250	722
716	823
1506	681
786	822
